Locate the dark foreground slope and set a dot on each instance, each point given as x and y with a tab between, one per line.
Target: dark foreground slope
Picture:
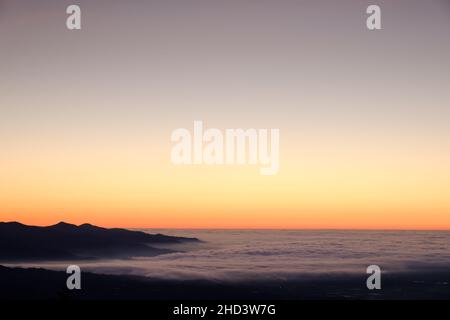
62	241
18	284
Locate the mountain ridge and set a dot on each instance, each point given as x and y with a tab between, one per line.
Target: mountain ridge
63	240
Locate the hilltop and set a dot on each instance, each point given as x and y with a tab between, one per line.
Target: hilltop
19	242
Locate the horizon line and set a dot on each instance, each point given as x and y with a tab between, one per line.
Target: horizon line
290	229
244	228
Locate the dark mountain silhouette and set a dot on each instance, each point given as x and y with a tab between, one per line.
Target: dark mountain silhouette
19	242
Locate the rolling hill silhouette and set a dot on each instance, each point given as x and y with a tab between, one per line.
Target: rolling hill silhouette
19	242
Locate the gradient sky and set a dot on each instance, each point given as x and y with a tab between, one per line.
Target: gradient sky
86	116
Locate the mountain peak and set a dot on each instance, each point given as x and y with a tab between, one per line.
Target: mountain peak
89	226
64	225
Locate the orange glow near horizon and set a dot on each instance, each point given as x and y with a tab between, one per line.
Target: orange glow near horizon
359	189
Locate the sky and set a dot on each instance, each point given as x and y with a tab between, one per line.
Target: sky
86	115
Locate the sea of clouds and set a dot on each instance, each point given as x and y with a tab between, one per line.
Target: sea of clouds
226	255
